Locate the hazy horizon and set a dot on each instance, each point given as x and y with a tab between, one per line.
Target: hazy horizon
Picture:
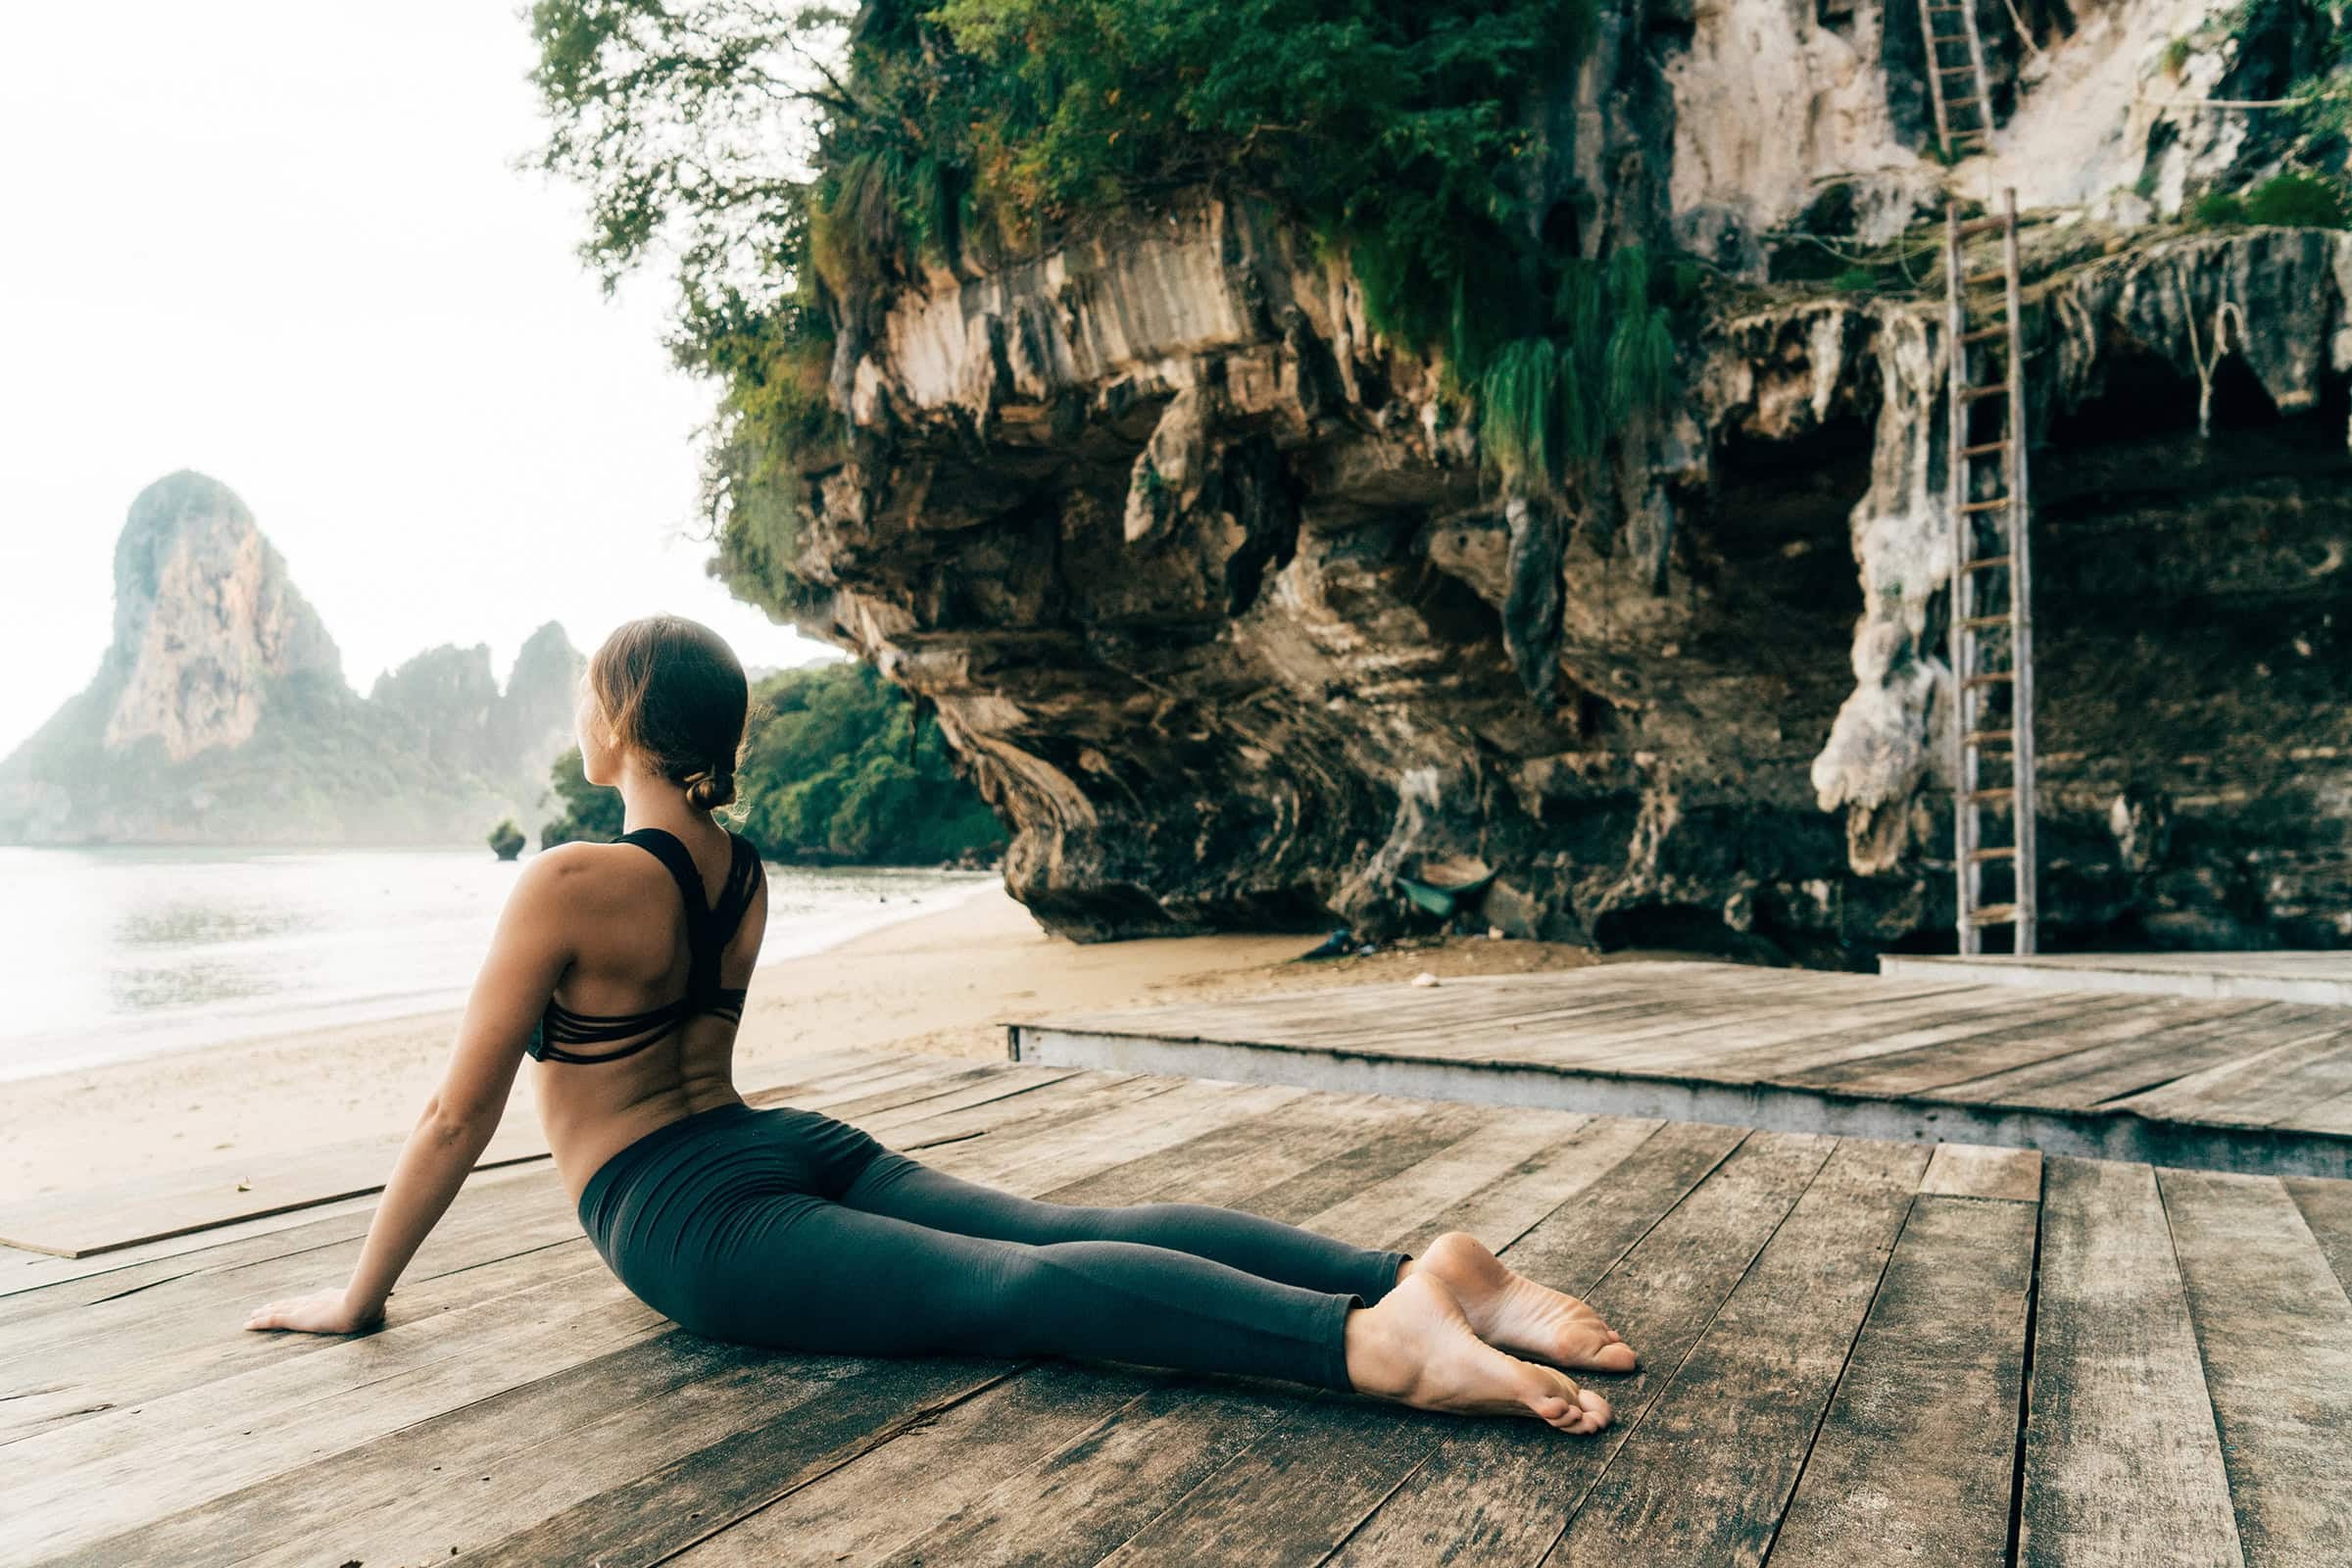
285	246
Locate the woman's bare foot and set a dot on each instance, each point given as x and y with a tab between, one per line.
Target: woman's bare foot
1418	1348
1514	1313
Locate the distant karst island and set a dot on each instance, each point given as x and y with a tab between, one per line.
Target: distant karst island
219	714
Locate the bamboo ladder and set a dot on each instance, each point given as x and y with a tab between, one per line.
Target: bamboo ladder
1963	124
1991	621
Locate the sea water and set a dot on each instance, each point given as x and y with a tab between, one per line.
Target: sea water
114	952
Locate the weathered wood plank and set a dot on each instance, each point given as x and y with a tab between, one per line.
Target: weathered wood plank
1087	1143
481	1471
1705	1475
2122	1067
2272	1086
1972	1170
49	1283
1314	1191
2123	1464
1924	1070
174	1452
2328	1116
915	1128
1247	1154
1730	1024
2327	1207
1953	1028
2276	1332
1567	1172
1077	1504
892	1493
1498	1493
70	1367
1509	1137
1914	1460
82	1223
696	1495
1964	1024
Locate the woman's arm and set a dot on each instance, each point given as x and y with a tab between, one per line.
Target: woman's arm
527	956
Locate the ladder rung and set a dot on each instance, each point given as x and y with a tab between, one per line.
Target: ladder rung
1956	103
2007	737
2007	852
1950	38
1976	133
1997	389
1984	448
1956	71
1976	279
1985	334
1990	677
1993	915
1987	620
1989	504
2001	794
1983	225
1987	563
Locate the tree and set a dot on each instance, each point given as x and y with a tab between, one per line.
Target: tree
506	838
835	767
590	812
799	161
840	767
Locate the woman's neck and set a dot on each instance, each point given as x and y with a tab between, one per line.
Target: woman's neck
647	800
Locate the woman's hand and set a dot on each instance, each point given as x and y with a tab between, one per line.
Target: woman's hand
320	1312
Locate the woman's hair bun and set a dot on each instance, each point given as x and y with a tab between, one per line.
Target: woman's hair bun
710	789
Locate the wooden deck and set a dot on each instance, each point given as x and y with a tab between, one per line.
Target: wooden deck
2282	976
2229	1085
1855	1351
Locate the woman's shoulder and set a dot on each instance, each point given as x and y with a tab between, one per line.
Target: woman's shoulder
582	869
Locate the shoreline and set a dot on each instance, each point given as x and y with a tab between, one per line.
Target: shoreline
944	982
179	1036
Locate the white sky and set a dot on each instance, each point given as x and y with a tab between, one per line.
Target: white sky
283	244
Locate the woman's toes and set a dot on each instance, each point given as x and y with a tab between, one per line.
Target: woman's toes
1617	1356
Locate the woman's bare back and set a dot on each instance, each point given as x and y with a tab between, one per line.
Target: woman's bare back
625	924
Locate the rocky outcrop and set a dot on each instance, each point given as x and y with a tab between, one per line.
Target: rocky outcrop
1203	579
205	621
219	714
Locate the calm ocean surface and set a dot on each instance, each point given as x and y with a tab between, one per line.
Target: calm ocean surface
114	952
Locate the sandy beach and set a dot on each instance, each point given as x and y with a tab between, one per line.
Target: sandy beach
945	982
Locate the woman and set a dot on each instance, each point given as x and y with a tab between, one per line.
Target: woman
621	968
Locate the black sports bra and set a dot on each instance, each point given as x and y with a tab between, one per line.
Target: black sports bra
708	933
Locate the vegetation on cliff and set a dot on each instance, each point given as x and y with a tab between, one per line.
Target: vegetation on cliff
838	766
962	134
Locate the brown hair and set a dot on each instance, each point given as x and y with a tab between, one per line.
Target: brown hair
673	691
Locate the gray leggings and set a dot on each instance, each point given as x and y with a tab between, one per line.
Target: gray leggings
793	1229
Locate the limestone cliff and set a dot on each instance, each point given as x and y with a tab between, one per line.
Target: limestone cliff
219	714
205	620
1204	578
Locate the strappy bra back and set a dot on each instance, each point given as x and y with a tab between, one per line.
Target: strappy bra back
708	930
